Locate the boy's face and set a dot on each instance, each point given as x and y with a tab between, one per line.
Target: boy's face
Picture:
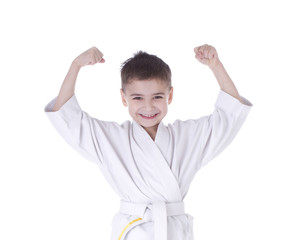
147	101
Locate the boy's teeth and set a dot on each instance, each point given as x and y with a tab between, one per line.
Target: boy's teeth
148	115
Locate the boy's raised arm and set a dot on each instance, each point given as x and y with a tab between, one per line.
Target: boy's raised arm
89	57
207	55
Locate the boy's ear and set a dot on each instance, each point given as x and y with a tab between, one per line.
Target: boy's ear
170	95
124	100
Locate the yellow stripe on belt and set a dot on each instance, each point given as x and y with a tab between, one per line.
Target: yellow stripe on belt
128	226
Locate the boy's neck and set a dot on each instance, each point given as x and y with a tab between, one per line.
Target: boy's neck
151	131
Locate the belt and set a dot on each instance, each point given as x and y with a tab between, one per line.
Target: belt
158	213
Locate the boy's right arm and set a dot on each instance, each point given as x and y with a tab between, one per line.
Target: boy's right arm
82	132
89	57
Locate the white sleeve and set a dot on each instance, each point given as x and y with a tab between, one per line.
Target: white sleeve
79	130
220	128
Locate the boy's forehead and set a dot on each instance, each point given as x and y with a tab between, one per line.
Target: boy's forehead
149	85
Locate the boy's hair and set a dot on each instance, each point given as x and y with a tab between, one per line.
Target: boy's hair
143	66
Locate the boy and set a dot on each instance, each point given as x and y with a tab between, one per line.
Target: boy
148	164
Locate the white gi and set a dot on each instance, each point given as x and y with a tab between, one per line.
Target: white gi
151	177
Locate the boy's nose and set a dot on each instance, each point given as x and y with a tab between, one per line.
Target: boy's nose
149	105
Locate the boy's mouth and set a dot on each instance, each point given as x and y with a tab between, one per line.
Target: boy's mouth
148	116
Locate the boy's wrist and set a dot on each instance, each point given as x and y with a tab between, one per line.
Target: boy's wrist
216	67
76	65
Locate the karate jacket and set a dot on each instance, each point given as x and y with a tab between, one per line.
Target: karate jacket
151	177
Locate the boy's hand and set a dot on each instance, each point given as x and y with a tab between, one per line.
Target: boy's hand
207	55
90	57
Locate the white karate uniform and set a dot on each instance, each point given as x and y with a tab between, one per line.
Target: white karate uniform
151	177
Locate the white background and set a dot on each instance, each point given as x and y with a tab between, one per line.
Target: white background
47	191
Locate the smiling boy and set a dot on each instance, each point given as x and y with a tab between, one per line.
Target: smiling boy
148	164
146	90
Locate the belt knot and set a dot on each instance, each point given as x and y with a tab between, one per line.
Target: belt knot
159	212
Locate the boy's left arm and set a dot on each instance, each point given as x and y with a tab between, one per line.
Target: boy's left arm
219	129
207	55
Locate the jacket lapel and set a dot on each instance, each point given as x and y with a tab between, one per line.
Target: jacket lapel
153	165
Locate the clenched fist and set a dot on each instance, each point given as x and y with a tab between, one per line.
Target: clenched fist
207	55
90	57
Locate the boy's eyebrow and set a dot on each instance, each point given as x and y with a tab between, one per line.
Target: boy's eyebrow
138	94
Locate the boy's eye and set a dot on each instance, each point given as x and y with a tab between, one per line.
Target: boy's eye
137	98
158	97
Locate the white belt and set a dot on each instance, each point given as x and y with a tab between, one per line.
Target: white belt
159	211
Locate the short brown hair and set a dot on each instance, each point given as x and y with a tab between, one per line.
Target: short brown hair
143	66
